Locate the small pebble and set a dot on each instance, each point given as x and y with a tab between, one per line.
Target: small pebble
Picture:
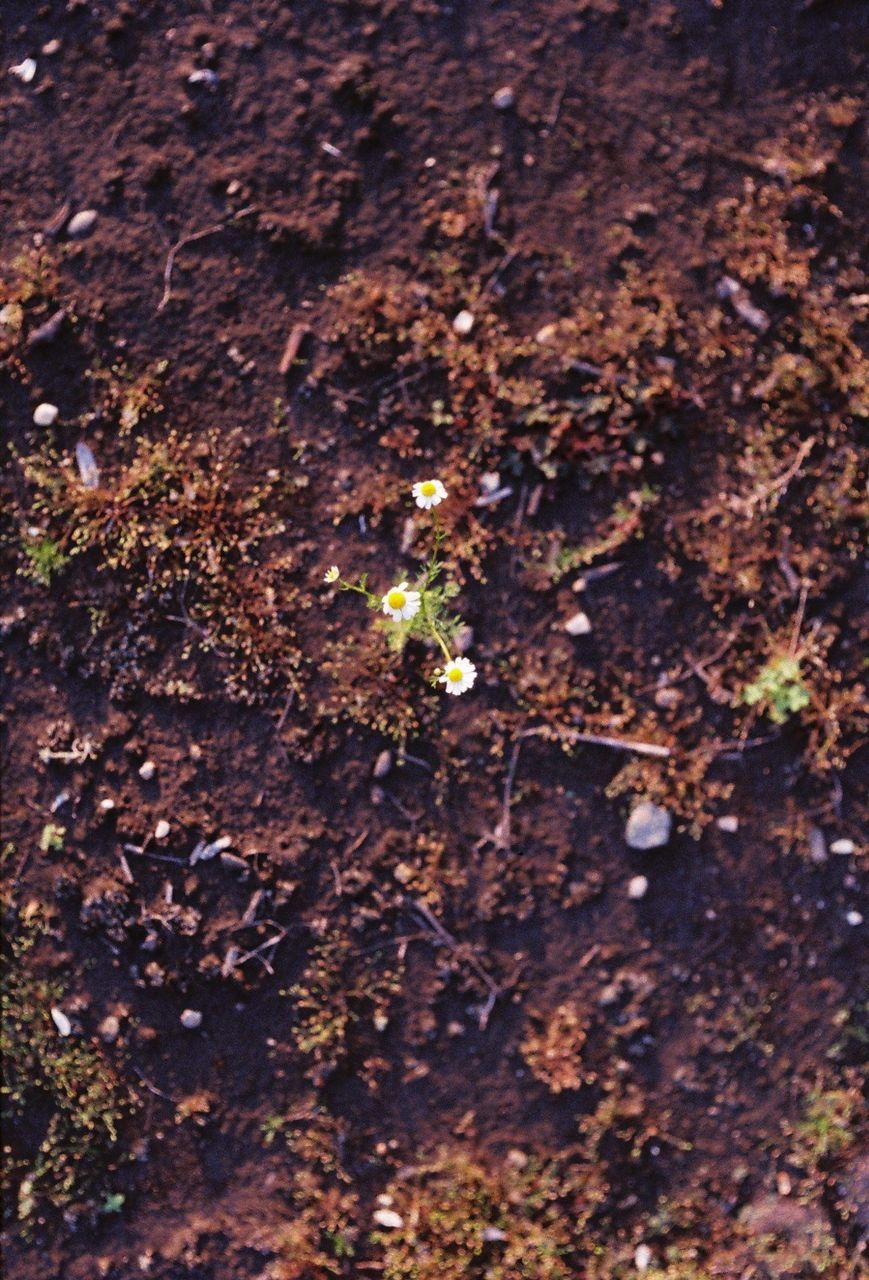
87	466
503	98
382	764
109	1029
844	847
494	1235
61	1021
638	887
642	1257
24	71
388	1218
578	625
204	852
728	823
381	1021
106	805
463	323
147	770
490	482
817	845
204	76
45	415
191	1019
854	918
51	48
649	826
81	224
162	829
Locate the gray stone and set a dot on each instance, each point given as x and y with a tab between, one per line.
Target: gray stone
649	826
81	224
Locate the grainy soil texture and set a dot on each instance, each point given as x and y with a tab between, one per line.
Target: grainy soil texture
311	968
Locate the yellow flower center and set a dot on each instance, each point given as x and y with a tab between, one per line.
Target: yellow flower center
396	599
429	488
454	675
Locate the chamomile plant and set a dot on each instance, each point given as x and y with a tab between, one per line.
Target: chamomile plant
420	609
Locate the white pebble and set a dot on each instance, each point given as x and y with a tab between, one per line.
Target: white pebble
45	415
147	770
843	846
638	887
494	1235
649	826
204	852
109	1029
81	224
24	71
388	1218
383	763
854	918
463	323
503	98
52	47
728	823
107	805
162	829
204	76
61	1021
642	1257
191	1019
817	845
380	1020
87	465
578	625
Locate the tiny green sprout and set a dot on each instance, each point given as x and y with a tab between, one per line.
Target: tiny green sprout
51	840
779	689
420	609
44	559
113	1203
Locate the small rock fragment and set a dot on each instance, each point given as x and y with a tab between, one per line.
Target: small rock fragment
728	823
191	1019
49	330
109	1029
817	845
162	829
648	826
381	1021
638	887
503	98
843	846
578	625
854	918
204	75
51	48
383	764
61	1021
388	1218
463	323
741	302
106	805
203	852
87	466
147	770
642	1257
494	1235
45	415
81	224
24	71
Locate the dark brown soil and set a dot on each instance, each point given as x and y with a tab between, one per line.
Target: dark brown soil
360	140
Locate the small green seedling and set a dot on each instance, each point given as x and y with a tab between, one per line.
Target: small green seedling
779	689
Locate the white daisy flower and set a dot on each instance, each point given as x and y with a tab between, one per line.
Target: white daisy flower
400	604
458	675
428	493
332	574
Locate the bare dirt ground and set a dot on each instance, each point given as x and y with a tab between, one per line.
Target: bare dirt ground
424	1013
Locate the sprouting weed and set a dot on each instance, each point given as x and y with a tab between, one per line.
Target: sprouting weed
420	609
779	689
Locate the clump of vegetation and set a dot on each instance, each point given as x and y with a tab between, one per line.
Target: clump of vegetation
460	1221
422	610
64	1107
779	689
554	1053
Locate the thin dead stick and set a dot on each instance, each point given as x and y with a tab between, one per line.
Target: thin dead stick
601	740
152	1088
191	239
464	951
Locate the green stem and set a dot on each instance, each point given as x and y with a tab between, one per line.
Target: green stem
433	629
